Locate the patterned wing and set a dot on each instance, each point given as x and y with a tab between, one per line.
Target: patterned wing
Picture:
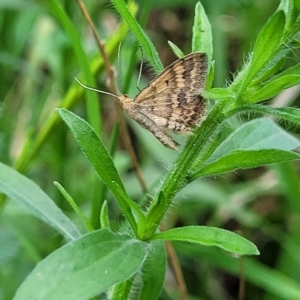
172	99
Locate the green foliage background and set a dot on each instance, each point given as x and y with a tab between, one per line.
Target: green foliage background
40	54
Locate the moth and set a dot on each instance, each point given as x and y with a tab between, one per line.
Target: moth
171	101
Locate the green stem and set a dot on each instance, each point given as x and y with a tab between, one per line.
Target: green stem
195	146
122	290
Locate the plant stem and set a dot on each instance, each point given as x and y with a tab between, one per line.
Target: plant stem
122	290
176	178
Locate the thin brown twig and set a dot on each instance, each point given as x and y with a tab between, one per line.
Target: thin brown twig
112	87
173	259
100	45
242	279
174	262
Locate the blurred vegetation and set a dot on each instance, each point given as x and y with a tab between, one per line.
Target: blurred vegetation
38	64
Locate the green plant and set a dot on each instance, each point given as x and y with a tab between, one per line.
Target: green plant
136	255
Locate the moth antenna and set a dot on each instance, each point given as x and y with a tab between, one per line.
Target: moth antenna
140	72
94	90
119	70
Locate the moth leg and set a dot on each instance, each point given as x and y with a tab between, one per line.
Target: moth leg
157	131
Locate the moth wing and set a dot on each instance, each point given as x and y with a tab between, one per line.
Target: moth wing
173	98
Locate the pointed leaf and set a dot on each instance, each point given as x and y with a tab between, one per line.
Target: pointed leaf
267	44
176	50
274	86
245	160
202	35
273	66
256	143
219	94
99	158
257	134
33	199
140	35
209	236
104	219
287	113
92	147
268	41
75	207
84	268
288	7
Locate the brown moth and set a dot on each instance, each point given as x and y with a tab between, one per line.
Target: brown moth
172	100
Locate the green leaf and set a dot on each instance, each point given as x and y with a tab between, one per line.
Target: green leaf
153	272
176	50
141	36
98	156
284	80
256	143
241	159
268	41
84	268
210	236
267	44
294	34
159	207
124	197
202	36
75	207
288	7
287	113
92	147
219	94
104	219
30	196
210	77
258	134
272	67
